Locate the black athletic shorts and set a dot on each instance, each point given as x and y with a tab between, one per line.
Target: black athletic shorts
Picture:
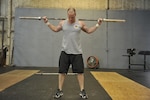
76	60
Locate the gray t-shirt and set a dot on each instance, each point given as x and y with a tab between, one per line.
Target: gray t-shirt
71	43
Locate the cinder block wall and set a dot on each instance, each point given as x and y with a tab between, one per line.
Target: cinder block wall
78	4
85	4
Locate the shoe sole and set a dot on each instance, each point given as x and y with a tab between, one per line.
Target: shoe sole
58	97
83	97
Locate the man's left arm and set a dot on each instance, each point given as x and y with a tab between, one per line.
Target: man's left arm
91	29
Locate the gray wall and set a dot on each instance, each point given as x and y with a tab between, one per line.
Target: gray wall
36	45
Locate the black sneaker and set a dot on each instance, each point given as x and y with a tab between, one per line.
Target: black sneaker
83	94
58	94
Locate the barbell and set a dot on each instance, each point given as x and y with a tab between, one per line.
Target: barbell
104	19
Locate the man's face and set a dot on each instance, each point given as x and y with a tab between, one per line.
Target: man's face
71	16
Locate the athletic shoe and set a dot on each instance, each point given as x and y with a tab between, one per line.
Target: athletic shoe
83	94
58	94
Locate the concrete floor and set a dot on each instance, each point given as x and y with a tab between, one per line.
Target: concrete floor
43	87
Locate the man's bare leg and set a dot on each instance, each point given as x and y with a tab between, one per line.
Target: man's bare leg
81	84
59	92
61	79
81	81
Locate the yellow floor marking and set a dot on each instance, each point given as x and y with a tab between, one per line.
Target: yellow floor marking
10	78
120	87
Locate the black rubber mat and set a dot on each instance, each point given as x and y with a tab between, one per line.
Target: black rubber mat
43	87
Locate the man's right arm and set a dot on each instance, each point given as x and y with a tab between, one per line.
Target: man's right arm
51	26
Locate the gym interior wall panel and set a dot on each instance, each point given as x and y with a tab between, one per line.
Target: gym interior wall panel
141	30
119	39
120	34
116	60
141	34
132	34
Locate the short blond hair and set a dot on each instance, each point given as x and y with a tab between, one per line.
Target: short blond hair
71	9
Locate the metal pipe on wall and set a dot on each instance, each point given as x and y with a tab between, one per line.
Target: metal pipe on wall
2	34
0	7
9	20
107	41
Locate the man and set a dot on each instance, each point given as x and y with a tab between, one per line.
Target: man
71	53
